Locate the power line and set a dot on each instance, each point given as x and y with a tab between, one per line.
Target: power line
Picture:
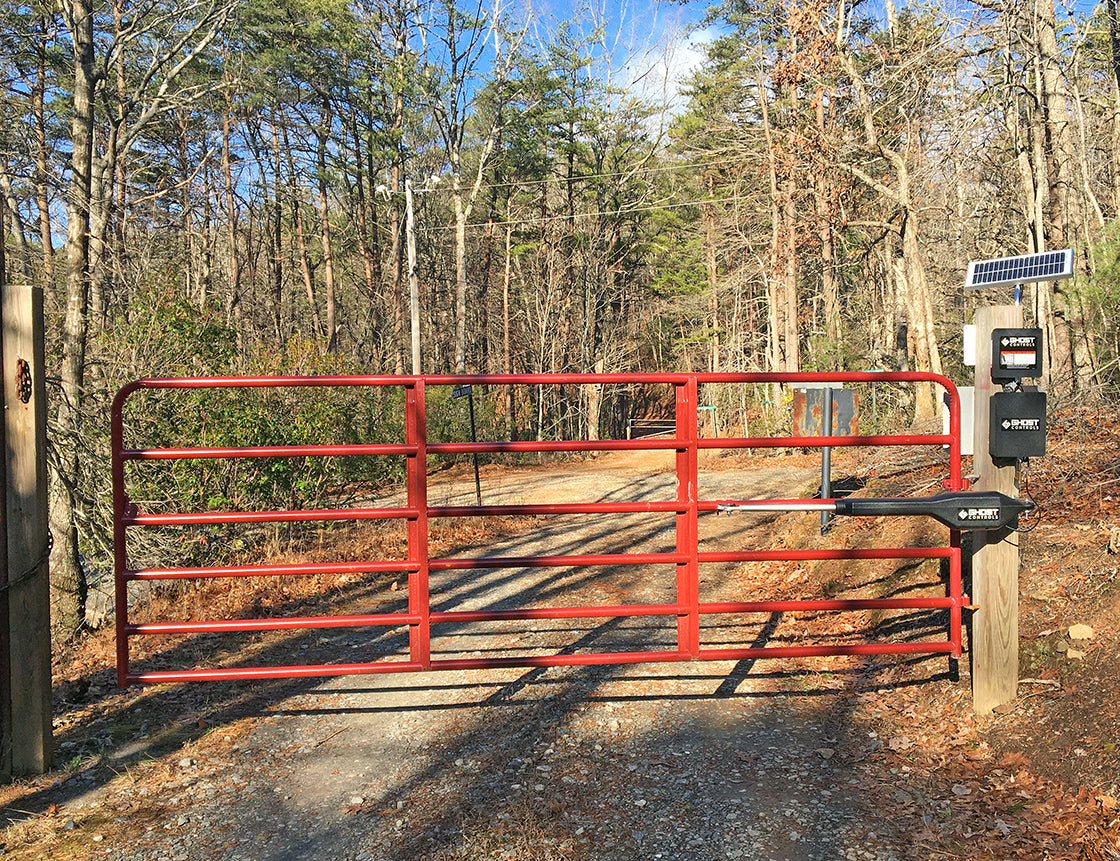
587	176
606	212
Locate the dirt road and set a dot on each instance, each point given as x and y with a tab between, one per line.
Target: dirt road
774	760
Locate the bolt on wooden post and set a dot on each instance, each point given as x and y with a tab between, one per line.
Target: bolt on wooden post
994	641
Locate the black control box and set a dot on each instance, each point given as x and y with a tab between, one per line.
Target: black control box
1017	425
1016	353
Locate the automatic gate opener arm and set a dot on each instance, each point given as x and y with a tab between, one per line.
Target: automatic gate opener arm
969	510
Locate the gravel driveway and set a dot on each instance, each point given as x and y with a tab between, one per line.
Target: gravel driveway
712	760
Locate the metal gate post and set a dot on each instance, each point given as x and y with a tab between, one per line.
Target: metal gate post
416	475
956	483
688	531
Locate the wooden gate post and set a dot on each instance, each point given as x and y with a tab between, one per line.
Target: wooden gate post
27	587
994	642
5	661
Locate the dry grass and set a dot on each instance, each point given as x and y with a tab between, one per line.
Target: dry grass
524	832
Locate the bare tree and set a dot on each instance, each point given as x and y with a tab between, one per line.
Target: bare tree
182	37
892	126
463	40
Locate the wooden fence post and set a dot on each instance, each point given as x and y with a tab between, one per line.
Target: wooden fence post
994	642
27	586
5	652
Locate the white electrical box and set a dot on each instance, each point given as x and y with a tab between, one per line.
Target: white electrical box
970	345
967	423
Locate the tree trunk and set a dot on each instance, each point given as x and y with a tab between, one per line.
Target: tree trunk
1114	87
595	402
709	217
776	272
922	334
370	263
486	358
301	238
278	260
102	171
209	239
396	280
823	192
1067	374
186	217
19	236
68	581
231	207
42	159
325	234
791	341
460	268
506	357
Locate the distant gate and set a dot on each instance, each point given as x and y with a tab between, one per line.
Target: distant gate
418	512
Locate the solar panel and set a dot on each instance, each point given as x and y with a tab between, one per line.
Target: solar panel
1047	266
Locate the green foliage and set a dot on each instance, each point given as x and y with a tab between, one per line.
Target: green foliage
180	340
171	337
1099	298
678	267
272	416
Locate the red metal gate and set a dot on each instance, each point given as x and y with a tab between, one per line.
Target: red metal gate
418	512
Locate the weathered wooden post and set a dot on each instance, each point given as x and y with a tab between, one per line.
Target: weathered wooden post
995	557
26	584
5	650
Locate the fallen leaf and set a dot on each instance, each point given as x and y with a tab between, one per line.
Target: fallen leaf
1013	759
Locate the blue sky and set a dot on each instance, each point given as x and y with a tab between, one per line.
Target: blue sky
652	45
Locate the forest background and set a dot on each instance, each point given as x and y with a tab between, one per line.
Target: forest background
221	187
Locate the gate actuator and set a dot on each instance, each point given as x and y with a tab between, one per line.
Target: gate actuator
966	510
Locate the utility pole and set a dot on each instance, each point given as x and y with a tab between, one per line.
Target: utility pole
413	284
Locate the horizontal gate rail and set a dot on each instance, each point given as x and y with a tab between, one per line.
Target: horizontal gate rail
266	451
210	518
267	570
683	442
285	624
